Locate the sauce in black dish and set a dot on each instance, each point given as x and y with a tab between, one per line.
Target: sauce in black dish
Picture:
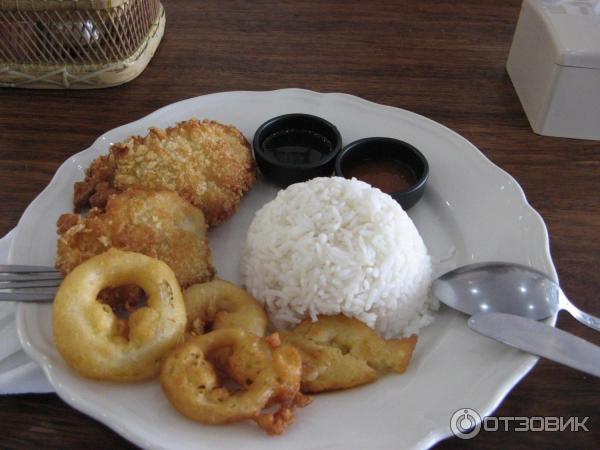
296	147
393	166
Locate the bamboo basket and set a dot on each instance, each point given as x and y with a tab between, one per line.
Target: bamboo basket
77	44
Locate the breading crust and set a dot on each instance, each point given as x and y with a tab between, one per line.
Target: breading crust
159	224
207	163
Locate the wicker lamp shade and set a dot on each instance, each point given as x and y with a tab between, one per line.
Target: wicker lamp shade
77	43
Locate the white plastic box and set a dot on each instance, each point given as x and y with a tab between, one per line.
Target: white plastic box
554	64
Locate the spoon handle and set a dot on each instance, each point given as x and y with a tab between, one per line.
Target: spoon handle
539	339
583	317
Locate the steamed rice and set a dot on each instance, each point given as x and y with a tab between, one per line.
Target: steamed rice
332	245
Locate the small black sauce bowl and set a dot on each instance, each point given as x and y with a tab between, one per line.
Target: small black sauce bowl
388	149
284	173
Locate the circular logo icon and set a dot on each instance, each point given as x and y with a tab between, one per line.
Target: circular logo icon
465	423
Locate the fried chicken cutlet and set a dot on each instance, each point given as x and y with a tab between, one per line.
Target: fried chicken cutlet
159	224
206	163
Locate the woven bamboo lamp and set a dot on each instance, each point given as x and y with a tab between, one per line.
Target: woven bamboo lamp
77	44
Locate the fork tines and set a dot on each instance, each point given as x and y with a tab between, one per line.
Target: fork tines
28	283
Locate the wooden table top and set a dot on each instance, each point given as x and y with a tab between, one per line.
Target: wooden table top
444	60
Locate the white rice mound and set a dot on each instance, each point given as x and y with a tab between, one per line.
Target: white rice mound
333	245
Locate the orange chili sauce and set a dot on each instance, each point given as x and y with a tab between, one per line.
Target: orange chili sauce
388	175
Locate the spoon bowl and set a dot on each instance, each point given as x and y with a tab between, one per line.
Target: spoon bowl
505	288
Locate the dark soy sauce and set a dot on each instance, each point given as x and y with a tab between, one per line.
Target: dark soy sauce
295	146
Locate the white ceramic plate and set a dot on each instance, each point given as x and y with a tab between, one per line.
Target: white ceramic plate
472	211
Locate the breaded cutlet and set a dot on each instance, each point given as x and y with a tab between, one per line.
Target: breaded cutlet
206	163
159	224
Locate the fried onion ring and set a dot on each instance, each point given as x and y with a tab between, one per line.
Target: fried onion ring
339	352
98	344
221	304
193	387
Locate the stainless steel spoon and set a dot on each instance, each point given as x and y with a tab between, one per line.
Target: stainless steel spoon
506	288
496	294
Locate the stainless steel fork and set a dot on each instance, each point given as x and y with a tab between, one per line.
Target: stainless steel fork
28	283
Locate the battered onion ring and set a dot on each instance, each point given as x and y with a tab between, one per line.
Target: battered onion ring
193	387
224	305
99	345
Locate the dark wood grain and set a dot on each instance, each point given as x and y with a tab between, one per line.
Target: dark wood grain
443	59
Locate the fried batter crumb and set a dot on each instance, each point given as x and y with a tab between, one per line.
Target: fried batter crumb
67	221
273	340
276	423
99	176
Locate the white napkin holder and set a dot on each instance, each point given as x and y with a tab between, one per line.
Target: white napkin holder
554	64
